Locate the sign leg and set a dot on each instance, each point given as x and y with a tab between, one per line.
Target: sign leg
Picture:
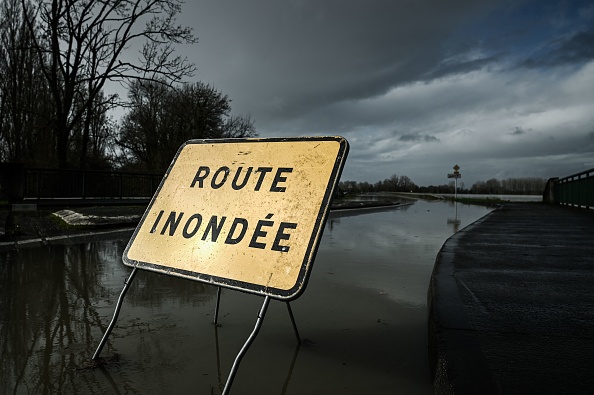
115	314
293	322
216	315
247	344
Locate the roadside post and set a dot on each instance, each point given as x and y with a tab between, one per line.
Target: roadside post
455	175
244	214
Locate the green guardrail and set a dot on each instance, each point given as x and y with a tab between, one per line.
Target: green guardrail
576	190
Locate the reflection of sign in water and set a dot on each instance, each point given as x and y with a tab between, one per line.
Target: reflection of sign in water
242	213
455	222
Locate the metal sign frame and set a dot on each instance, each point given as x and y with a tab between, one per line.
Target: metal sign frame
268	293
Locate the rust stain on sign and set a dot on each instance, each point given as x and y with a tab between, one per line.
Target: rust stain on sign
241	213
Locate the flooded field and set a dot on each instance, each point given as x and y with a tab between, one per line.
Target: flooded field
362	318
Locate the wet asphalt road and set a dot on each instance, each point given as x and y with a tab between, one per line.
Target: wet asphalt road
512	304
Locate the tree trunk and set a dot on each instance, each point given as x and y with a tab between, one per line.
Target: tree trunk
62	134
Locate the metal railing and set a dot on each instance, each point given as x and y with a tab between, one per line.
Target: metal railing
576	190
88	184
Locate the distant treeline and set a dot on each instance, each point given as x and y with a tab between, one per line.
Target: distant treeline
509	186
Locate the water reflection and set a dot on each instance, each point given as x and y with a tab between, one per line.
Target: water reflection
396	247
46	313
53	302
455	222
362	317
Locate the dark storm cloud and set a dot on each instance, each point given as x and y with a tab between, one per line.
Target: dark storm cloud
328	51
517	131
450	67
577	49
501	87
416	137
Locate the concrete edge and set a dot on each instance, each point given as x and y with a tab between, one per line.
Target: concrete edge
456	362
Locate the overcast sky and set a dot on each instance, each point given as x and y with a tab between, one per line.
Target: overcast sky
501	88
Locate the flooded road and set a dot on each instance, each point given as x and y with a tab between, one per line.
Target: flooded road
363	317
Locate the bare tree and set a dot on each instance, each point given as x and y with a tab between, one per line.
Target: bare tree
161	118
24	95
239	126
92	135
85	43
140	134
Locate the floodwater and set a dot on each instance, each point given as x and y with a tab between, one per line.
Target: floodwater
510	198
362	318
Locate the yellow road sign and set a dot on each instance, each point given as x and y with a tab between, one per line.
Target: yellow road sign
241	213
